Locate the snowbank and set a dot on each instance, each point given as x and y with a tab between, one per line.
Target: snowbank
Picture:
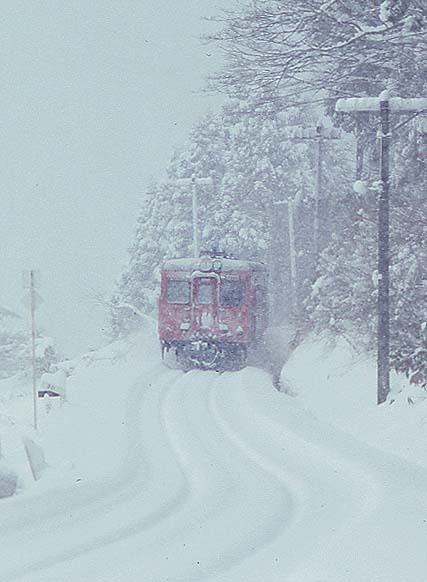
82	438
54	382
338	384
155	474
8	480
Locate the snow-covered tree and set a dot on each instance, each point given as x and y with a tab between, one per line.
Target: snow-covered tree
345	294
15	347
343	297
13	344
311	50
305	50
254	172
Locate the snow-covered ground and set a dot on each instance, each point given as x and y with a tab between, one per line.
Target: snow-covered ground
338	384
158	475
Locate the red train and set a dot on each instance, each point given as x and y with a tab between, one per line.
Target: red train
212	310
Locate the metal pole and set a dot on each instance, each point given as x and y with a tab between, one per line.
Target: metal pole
195	217
33	345
383	363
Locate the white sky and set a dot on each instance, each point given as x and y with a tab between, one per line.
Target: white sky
95	95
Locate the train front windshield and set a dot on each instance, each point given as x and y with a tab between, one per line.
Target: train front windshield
178	292
205	293
231	293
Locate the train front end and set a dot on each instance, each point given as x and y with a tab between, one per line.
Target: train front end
207	311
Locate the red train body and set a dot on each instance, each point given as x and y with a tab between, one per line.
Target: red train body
212	310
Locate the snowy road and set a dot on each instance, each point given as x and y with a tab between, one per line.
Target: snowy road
221	478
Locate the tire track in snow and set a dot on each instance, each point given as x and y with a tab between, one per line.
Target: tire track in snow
372	485
30	511
215	493
116	494
203	537
294	462
193	477
224	484
238	489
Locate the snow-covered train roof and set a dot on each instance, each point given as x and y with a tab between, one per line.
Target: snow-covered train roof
192	264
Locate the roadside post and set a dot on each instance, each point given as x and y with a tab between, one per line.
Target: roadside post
31	280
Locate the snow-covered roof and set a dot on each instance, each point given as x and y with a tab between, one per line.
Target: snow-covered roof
192	264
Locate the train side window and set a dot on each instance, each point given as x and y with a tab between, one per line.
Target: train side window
205	293
178	292
231	293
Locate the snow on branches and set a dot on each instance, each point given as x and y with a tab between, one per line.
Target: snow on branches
306	51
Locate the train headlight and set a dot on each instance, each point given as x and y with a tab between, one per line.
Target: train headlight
205	264
217	264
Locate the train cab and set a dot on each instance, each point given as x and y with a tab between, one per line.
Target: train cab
212	310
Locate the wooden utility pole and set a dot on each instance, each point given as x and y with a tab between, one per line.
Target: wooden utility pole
319	134
195	204
383	323
293	203
318	192
194	182
292	255
383	105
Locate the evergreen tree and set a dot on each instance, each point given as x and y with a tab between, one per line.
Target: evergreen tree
345	295
254	173
15	347
304	51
